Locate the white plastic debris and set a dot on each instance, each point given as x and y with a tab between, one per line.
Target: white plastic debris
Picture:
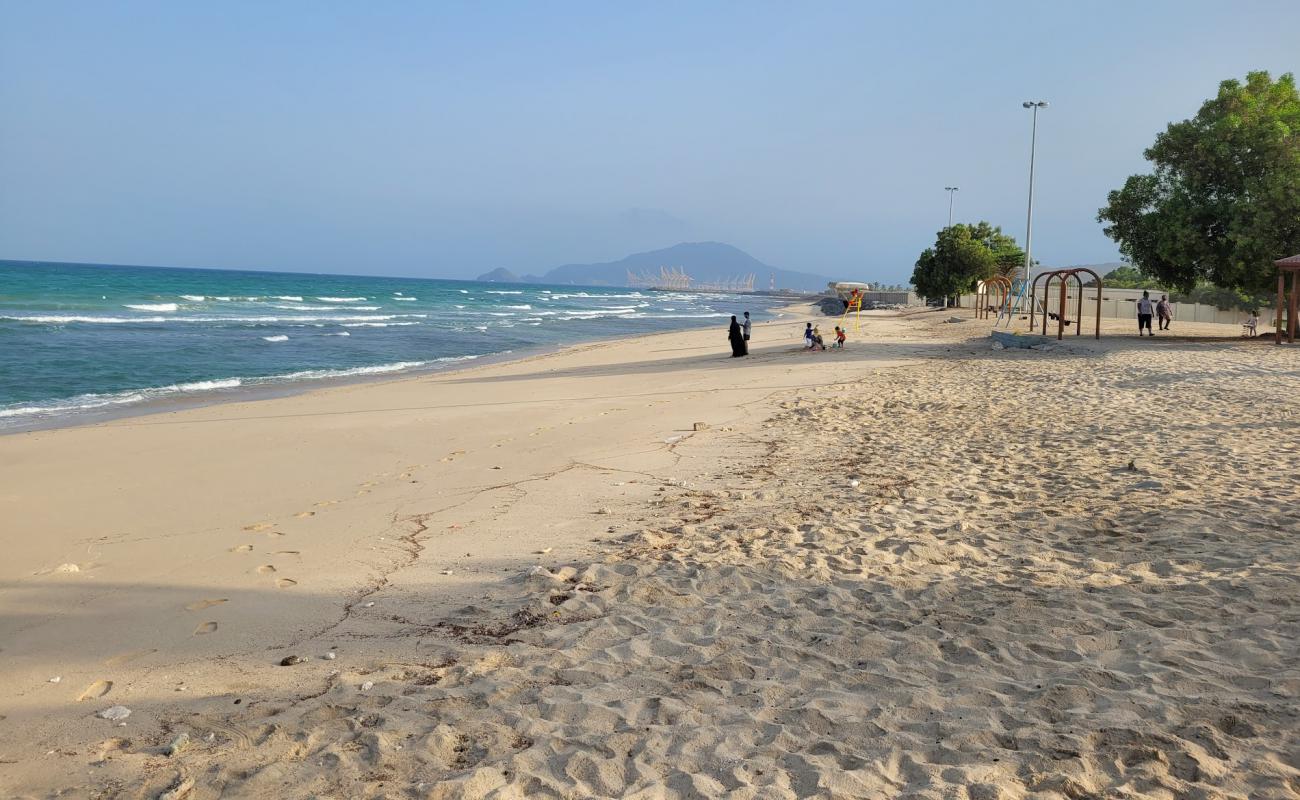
330	656
367	686
115	713
855	483
56	679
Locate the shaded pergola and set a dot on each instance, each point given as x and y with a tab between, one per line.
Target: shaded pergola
1287	266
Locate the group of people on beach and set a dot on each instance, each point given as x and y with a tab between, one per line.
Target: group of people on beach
812	338
1163	309
738	335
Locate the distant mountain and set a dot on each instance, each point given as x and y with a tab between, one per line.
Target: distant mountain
703	261
503	275
500	275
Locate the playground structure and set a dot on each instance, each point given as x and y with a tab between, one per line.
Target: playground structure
984	292
1063	276
1285	266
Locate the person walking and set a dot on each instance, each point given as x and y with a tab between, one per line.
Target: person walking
738	347
744	329
1165	311
1144	314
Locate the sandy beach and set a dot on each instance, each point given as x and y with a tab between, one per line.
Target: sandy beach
918	567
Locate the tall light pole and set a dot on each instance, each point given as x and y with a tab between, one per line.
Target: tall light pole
1029	217
950	190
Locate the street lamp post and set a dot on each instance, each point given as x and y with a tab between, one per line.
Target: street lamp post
950	190
1029	217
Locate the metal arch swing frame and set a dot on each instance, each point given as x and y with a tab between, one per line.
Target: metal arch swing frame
1063	278
984	292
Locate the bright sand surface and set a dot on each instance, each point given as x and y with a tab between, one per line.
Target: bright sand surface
919	567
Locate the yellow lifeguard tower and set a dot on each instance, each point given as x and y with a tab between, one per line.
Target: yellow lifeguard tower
854	307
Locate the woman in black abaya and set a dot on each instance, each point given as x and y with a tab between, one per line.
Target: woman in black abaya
738	346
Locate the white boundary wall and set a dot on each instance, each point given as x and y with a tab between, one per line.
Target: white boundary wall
1122	304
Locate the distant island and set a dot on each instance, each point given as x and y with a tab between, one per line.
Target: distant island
703	261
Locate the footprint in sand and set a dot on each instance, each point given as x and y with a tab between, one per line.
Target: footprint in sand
243	548
123	658
205	628
287	553
199	605
96	689
266	569
305	514
285	583
326	503
259	526
452	455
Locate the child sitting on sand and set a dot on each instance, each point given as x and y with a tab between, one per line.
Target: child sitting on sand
817	338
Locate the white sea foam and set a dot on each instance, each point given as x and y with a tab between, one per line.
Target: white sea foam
407	299
60	319
464	291
293	297
280	338
364	308
341	299
378	324
305	307
497	291
153	306
524	307
90	402
193	298
340	333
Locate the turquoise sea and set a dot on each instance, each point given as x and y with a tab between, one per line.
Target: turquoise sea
80	341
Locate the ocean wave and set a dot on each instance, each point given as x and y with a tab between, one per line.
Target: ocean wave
524	307
364	308
305	307
498	291
293	297
280	338
60	319
589	295
407	299
153	306
193	298
340	333
341	299
90	402
377	324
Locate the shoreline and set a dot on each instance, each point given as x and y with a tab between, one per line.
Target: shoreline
182	401
472	583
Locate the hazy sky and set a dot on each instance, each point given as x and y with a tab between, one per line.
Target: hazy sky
444	139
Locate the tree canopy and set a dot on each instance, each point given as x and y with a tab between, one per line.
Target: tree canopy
957	260
1223	201
1008	257
1127	278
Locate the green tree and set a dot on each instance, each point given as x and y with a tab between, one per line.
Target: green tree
1223	201
954	264
1127	278
1008	257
